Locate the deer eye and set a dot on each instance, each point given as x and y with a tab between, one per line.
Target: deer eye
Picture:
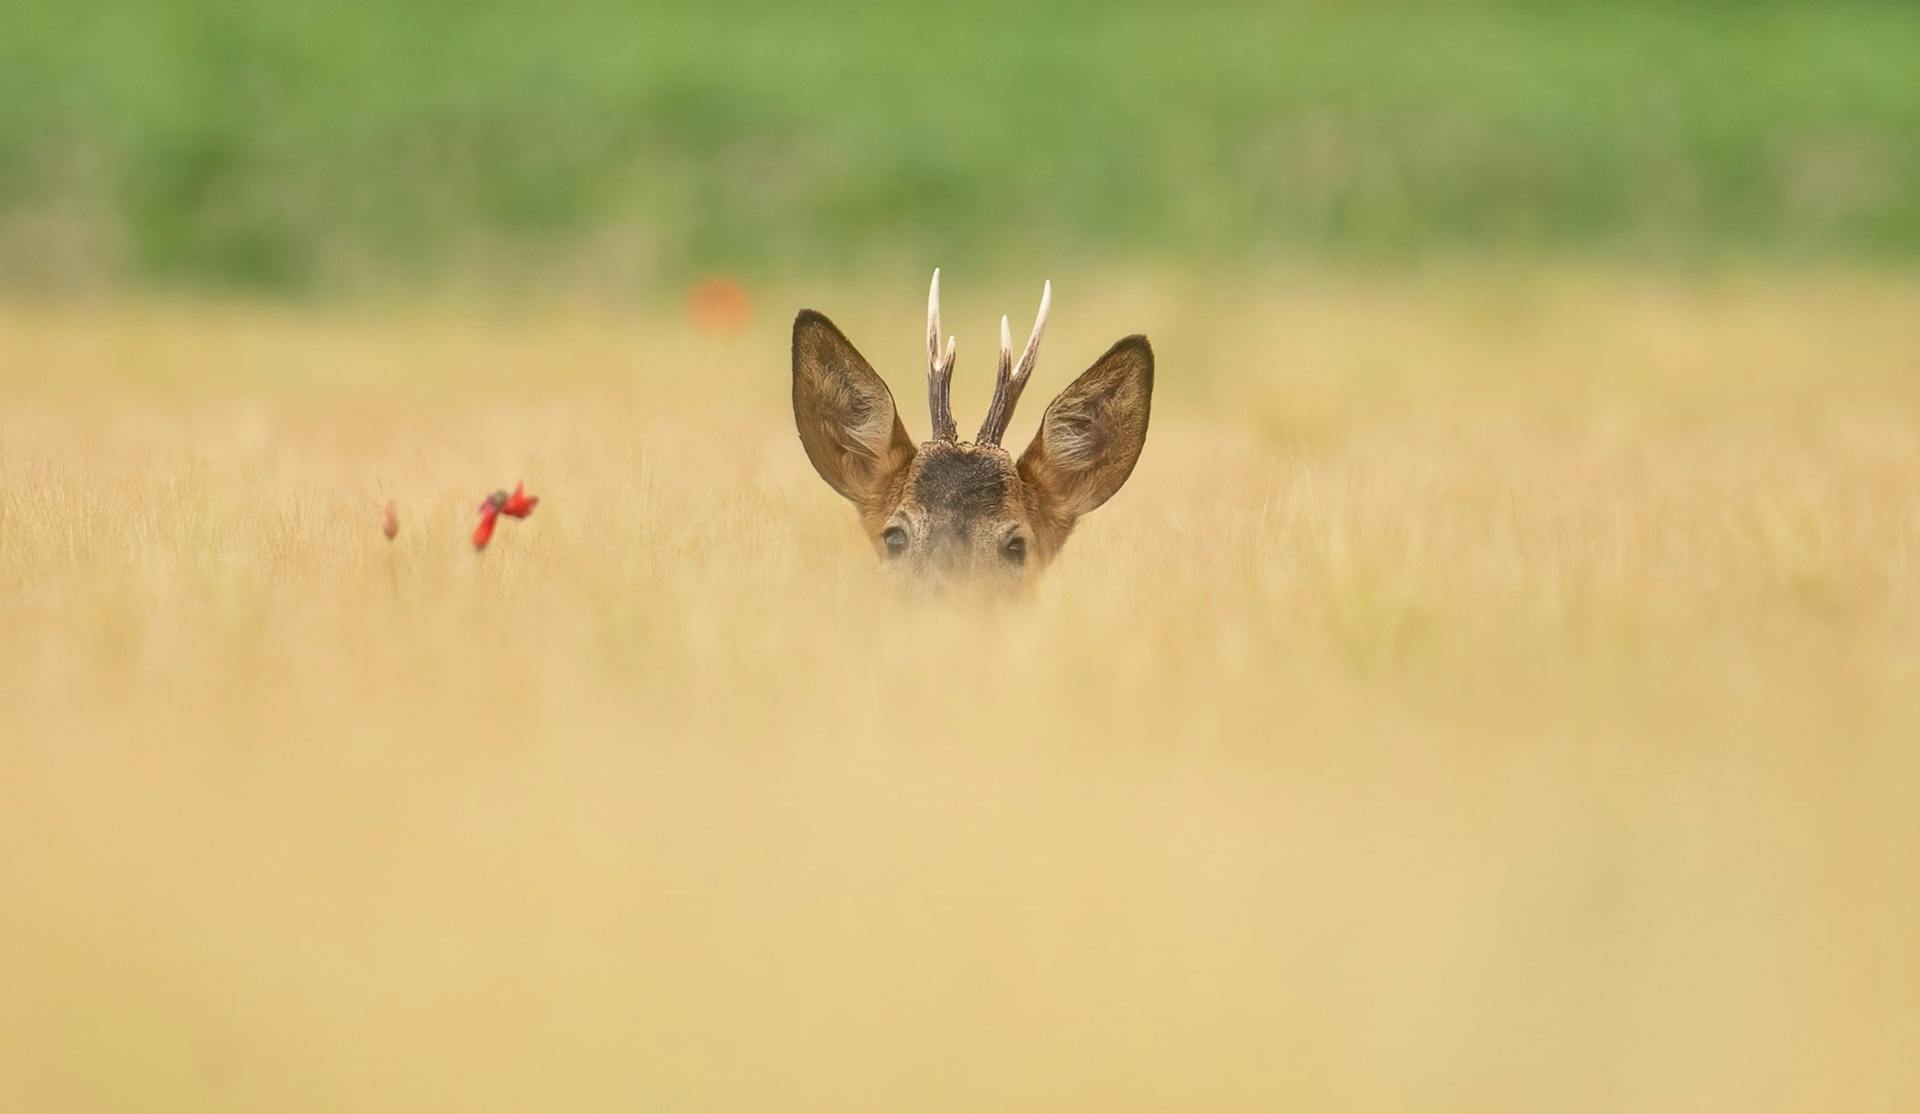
1014	549
895	539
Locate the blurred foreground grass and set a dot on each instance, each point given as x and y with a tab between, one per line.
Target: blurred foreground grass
300	147
1489	694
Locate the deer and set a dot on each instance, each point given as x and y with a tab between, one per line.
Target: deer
950	510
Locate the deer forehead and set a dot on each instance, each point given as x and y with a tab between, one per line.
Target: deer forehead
962	484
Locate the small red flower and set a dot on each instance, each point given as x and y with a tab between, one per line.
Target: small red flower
483	533
517	505
719	306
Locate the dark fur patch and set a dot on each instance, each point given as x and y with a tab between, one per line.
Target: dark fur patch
964	485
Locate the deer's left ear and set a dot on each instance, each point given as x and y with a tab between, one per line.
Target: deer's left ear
1091	436
845	414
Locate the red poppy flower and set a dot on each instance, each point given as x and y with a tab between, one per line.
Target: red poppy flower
719	306
517	505
483	533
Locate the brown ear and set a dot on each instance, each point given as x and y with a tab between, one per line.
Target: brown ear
846	416
1091	436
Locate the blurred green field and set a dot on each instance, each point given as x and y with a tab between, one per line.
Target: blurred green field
304	147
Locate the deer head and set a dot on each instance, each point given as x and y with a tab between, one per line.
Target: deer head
956	508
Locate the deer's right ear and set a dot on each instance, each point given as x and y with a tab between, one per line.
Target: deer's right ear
846	416
1091	437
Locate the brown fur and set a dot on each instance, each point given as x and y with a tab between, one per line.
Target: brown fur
958	505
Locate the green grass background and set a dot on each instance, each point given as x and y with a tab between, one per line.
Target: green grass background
291	147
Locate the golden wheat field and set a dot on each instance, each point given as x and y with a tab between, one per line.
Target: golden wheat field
1494	691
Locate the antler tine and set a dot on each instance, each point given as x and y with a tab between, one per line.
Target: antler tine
1012	379
1006	359
939	369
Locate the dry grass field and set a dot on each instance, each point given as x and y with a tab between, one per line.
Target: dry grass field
1495	691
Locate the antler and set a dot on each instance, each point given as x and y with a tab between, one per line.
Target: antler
1012	380
939	368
